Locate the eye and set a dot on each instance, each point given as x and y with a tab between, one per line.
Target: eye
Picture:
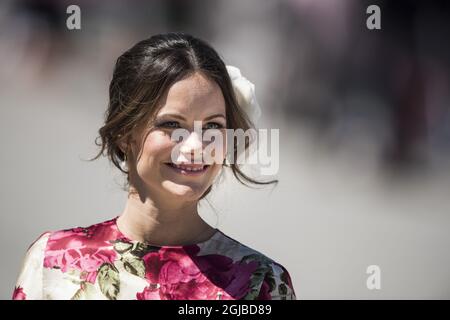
169	124
215	125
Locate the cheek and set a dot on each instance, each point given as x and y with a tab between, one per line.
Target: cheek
156	148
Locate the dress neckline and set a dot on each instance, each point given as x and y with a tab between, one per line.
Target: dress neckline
127	239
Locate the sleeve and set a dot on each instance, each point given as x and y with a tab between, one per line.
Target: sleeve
277	284
29	282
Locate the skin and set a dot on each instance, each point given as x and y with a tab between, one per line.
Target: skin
161	208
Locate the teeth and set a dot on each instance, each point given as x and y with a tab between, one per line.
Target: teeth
188	169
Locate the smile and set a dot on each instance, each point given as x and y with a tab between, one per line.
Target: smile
188	170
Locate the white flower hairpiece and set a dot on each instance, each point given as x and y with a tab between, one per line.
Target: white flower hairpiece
245	94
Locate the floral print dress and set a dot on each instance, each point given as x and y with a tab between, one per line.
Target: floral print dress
99	262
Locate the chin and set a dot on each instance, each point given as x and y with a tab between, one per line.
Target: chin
185	191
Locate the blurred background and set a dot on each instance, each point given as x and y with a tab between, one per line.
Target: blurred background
364	122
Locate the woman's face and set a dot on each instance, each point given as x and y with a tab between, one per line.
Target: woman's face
195	98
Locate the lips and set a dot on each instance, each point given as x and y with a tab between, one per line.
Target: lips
188	169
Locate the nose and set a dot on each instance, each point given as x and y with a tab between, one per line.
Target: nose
193	145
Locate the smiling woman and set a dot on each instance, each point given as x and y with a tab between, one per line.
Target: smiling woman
159	247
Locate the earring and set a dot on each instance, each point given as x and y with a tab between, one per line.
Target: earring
123	164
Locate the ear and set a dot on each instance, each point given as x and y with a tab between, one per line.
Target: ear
127	142
123	144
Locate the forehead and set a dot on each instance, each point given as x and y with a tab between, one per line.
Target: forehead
194	94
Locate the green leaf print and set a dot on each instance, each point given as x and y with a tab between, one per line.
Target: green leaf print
251	295
282	289
141	249
270	279
122	247
283	286
284	277
108	280
258	275
86	292
133	264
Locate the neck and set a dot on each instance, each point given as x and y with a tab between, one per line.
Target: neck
145	219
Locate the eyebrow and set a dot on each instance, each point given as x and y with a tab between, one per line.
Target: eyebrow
179	116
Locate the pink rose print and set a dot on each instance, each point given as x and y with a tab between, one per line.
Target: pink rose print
181	274
149	293
83	249
19	294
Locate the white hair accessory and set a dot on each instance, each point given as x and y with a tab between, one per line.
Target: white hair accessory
245	94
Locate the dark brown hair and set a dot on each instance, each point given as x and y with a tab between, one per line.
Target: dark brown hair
144	73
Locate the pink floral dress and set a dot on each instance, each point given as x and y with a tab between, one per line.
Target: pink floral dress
99	262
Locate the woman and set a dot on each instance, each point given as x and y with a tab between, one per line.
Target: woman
159	247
